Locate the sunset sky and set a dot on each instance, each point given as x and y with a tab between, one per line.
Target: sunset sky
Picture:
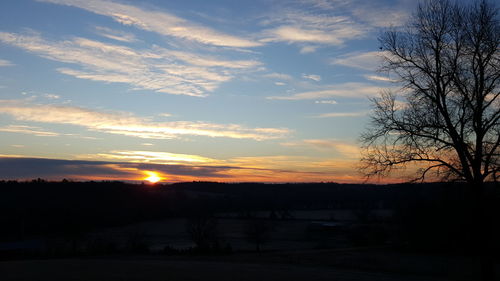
261	90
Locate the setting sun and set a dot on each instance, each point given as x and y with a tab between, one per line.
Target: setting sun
153	177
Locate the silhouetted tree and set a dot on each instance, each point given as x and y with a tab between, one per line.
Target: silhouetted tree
202	229
446	118
257	232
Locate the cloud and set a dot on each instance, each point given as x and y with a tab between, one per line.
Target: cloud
280	76
198	60
26	168
165	114
5	63
297	34
154	157
157	69
117	35
264	168
326	102
326	4
320	29
160	22
297	169
56	169
342	114
129	125
312	24
36	131
361	60
373	14
379	78
51	96
350	90
261	167
308	49
378	16
347	150
313	77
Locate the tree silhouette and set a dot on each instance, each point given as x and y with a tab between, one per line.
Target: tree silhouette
446	118
257	231
202	228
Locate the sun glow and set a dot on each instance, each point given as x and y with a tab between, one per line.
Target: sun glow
153	177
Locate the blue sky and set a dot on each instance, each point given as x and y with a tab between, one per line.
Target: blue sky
227	90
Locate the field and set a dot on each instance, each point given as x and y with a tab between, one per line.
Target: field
292	252
124	232
351	265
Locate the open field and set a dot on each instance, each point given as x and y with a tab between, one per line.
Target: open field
341	265
132	232
171	270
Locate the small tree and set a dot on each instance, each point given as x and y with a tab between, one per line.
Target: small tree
203	231
446	119
257	232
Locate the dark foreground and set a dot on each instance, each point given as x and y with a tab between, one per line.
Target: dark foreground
213	231
161	270
345	265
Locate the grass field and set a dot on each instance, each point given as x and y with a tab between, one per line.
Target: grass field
169	270
338	265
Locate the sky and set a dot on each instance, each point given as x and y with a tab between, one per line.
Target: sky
233	91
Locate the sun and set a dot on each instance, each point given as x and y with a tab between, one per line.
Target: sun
153	177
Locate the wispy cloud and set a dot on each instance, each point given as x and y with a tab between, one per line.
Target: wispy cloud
313	77
296	169
165	114
25	168
114	34
351	90
326	102
346	150
284	164
296	26
56	169
326	4
208	61
5	63
377	16
280	76
361	60
341	114
157	69
308	49
18	145
379	78
51	96
153	157
161	22
36	131
373	14
315	23
129	125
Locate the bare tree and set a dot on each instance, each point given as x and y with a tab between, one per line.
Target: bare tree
445	121
202	229
257	231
